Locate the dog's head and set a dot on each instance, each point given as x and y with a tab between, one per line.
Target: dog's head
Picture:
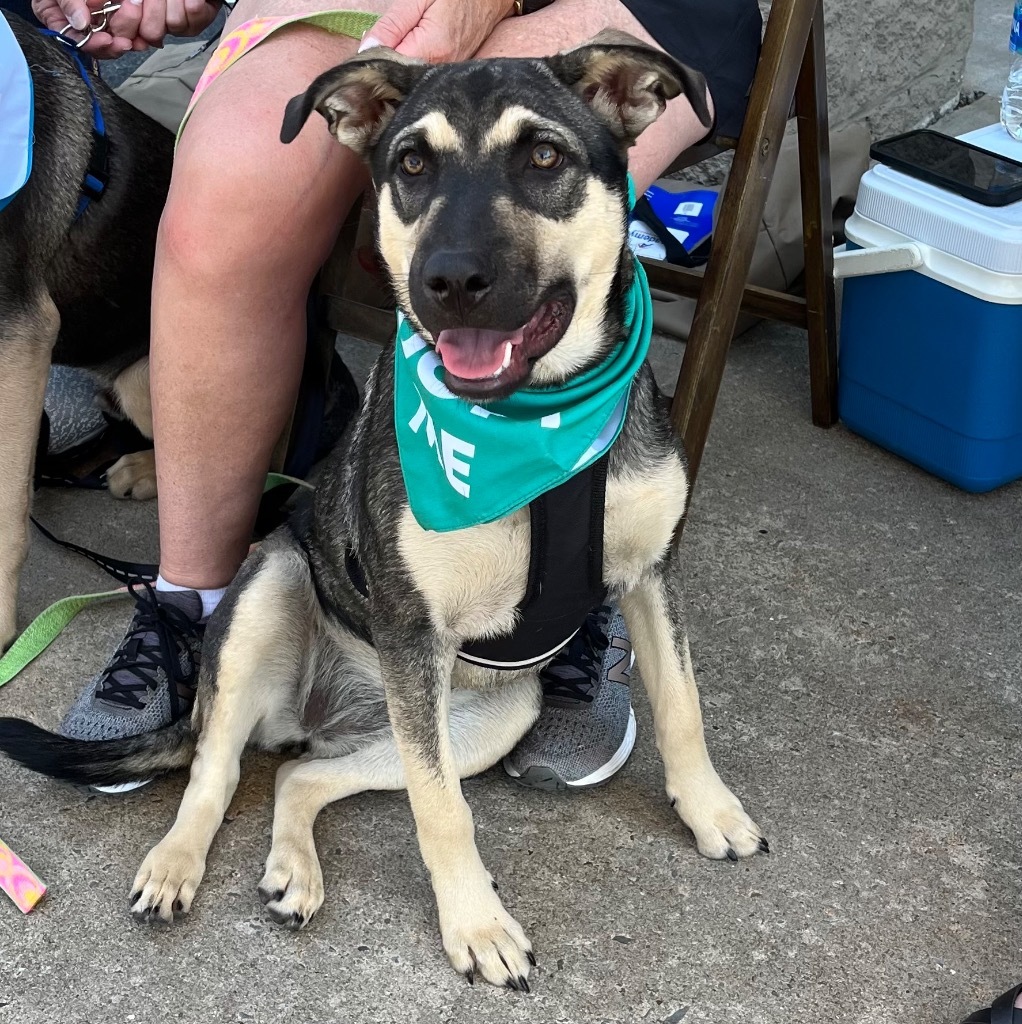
502	196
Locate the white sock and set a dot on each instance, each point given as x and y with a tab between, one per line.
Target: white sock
210	598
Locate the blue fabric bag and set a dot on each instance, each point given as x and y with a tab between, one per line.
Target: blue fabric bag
16	108
674	226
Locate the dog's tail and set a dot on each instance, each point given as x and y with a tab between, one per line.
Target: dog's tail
102	762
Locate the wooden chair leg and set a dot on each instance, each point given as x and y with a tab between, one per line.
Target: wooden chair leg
741	212
818	225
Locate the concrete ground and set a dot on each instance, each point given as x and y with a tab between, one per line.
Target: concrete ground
855	626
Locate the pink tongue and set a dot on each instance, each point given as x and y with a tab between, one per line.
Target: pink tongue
474	354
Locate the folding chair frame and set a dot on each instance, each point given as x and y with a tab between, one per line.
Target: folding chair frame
792	64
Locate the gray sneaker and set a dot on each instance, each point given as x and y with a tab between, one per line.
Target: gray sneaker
72	406
586	729
150	680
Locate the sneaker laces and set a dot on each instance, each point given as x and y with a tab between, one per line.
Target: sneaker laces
154	641
574	674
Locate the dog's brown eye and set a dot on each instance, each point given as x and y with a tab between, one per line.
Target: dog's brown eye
412	163
545	157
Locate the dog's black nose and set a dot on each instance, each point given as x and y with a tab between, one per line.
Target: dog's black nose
457	280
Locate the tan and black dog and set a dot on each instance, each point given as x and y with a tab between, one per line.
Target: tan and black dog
75	285
518	167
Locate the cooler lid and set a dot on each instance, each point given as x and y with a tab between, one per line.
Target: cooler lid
987	236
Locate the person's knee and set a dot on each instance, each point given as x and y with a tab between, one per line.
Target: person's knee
245	209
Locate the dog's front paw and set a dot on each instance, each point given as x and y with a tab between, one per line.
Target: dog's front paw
481	937
166	882
717	819
292	887
133	476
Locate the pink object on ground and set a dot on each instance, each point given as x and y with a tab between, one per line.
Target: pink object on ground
18	880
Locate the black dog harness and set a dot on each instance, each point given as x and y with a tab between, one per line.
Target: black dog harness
565	574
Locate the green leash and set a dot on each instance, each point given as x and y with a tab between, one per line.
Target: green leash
52	621
45	628
274	480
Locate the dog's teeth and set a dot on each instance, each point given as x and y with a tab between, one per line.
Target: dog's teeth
507	357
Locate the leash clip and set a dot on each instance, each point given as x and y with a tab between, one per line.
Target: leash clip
103	14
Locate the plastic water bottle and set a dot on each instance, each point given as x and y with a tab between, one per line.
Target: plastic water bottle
1011	100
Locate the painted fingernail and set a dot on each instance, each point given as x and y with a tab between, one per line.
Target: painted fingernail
368	42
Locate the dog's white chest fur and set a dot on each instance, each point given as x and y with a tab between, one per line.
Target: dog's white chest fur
472	579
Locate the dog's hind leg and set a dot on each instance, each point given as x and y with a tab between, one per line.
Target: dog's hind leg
134	475
28	331
251	657
654	612
131	390
483	727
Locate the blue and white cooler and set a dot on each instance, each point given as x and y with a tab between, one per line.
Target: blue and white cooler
931	355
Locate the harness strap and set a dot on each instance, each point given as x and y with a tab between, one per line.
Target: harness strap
98	171
565	574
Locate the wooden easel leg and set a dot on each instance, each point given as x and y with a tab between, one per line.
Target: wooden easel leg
741	212
818	225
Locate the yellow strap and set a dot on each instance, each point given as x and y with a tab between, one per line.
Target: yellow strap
250	34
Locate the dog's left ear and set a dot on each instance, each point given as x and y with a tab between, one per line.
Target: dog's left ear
627	82
358	98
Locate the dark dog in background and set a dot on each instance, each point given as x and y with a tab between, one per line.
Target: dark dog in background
518	167
74	290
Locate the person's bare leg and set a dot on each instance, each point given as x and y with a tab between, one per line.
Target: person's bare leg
568	23
248	223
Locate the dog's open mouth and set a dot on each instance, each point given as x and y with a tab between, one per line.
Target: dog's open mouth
480	363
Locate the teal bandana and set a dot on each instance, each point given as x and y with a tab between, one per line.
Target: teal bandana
466	464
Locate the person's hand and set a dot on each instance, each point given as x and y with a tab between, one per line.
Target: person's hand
56	14
138	24
148	22
437	30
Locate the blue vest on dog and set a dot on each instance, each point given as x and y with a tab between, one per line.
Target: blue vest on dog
16	108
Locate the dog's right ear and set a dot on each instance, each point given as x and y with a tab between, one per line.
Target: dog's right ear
628	83
357	98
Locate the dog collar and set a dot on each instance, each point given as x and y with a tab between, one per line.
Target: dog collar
16	106
465	464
